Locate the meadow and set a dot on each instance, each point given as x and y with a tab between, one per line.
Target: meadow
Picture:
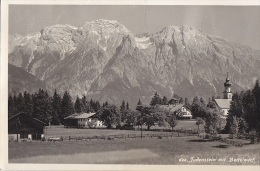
65	132
168	151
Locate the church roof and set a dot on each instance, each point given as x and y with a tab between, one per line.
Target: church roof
223	103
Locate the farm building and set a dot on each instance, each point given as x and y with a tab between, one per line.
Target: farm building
23	126
83	120
180	109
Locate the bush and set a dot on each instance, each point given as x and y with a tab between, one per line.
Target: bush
253	137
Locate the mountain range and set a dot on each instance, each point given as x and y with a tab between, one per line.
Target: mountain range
107	62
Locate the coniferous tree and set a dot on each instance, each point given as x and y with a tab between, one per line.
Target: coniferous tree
187	103
256	92
91	105
66	106
233	129
242	126
164	100
139	105
156	99
56	108
77	106
127	106
97	106
37	104
195	107
199	108
11	106
249	109
122	107
211	104
123	111
94	105
20	106
236	106
105	104
15	104
85	104
42	108
202	101
181	100
48	107
28	103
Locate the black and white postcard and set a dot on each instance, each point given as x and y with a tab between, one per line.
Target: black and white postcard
149	85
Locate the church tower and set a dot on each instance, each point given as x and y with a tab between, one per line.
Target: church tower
227	93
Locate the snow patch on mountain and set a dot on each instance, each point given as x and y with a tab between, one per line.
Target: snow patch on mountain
143	43
210	83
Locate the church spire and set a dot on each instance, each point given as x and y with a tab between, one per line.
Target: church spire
227	79
227	93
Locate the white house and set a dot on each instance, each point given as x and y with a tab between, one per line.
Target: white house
86	120
180	109
184	113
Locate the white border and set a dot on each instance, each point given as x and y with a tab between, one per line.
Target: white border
4	84
137	2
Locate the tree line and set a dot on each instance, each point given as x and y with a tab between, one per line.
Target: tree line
53	109
49	109
244	113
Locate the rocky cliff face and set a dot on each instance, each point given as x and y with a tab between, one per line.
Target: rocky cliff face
104	60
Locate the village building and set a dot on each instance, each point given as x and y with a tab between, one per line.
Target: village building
23	127
223	105
83	120
181	111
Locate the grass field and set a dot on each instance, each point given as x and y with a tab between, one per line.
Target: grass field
65	132
176	150
169	151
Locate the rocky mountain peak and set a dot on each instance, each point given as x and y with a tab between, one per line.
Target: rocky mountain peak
107	62
105	27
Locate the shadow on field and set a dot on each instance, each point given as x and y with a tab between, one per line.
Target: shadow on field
200	140
221	146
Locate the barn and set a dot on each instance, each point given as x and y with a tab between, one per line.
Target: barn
24	127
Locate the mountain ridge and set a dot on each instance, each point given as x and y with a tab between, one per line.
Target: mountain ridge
106	61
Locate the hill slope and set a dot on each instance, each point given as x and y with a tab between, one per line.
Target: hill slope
19	81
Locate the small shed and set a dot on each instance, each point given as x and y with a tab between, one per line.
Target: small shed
23	126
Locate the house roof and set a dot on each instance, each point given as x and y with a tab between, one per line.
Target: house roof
172	107
80	116
23	115
223	103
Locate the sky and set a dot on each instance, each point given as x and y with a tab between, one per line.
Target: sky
237	23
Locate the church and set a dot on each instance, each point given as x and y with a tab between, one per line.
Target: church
224	104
